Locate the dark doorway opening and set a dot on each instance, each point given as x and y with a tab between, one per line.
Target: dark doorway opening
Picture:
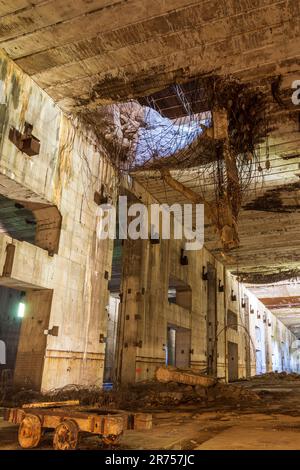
178	346
12	310
179	293
24	323
110	350
113	308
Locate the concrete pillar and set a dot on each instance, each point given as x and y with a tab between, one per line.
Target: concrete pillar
131	309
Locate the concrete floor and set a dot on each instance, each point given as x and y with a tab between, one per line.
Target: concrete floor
270	423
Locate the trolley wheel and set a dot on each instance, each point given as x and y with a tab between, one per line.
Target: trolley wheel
110	440
66	436
30	431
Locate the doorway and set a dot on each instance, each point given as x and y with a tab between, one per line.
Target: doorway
113	317
233	362
178	346
24	317
109	376
12	304
259	367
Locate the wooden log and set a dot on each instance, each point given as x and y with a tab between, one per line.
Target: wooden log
169	374
51	404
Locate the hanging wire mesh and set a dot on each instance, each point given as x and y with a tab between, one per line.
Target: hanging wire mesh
174	131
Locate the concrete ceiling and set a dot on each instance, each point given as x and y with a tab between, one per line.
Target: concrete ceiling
86	53
283	299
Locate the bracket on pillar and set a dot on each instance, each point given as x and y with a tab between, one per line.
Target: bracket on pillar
183	258
26	142
204	274
233	296
102	338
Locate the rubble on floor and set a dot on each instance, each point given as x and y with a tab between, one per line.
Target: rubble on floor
273	376
140	396
187	417
165	395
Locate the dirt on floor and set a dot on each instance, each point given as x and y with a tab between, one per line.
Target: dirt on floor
142	395
263	413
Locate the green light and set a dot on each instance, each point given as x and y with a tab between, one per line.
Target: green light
21	310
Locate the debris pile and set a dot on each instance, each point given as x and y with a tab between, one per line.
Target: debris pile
275	376
172	388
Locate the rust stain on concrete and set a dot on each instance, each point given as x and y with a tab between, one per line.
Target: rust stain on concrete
64	170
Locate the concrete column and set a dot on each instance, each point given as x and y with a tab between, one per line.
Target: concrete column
131	309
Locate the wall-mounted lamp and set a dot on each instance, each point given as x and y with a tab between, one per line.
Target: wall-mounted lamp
21	306
21	309
233	296
221	287
258	315
251	310
243	304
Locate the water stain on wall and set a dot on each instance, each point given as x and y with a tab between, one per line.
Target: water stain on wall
64	170
15	90
3	69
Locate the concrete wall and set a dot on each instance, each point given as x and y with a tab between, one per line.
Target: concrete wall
155	313
66	173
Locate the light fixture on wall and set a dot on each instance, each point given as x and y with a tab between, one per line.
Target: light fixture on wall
233	296
251	309
258	315
21	306
243	303
21	309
